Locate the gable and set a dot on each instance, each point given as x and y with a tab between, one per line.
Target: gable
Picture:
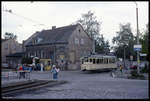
57	35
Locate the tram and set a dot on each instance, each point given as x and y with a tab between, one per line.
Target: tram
98	62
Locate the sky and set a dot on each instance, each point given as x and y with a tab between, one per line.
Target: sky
29	17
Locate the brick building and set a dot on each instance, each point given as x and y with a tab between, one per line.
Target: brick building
64	45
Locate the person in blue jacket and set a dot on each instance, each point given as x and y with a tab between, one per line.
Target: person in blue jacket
55	71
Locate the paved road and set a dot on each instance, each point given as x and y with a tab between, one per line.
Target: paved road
88	86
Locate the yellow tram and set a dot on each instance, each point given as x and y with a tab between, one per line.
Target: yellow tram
98	62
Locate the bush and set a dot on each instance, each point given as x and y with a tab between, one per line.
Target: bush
135	75
144	70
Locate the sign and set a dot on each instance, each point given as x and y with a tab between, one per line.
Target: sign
137	47
143	54
131	57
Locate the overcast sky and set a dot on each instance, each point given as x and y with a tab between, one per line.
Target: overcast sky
29	16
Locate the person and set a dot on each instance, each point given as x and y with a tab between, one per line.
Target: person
55	72
20	68
42	67
121	68
21	73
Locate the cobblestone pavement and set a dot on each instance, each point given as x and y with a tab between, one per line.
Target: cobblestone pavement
87	85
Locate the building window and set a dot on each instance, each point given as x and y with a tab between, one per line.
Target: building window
6	46
29	54
76	41
35	53
42	54
39	40
14	47
82	41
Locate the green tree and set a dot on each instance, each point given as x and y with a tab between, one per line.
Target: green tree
92	26
10	36
124	39
144	41
102	46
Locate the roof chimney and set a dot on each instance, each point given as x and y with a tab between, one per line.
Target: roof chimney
53	27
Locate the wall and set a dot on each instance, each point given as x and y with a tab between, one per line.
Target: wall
9	47
79	45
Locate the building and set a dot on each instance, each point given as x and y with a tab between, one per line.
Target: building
64	46
9	46
14	59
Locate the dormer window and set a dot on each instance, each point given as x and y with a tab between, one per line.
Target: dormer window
39	40
79	30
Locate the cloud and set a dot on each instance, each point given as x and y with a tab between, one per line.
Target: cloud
64	13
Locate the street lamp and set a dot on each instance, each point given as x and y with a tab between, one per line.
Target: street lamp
138	60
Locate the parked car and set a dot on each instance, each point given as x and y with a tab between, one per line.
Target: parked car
133	67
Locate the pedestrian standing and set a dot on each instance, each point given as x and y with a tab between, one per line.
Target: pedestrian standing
42	67
55	72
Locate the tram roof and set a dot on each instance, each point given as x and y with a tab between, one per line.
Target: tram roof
101	56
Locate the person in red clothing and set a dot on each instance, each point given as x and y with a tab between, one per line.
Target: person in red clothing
22	74
20	68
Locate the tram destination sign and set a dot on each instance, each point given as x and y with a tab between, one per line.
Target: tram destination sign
137	47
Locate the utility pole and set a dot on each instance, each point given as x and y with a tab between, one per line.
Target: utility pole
124	57
138	58
93	51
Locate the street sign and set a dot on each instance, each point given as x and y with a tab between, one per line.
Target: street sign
137	47
131	57
143	54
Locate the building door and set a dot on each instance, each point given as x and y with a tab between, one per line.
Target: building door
72	57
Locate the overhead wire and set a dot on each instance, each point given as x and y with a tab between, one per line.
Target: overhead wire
10	11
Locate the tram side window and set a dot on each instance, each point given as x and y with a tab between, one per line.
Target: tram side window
83	60
113	60
86	60
90	60
98	61
93	61
110	60
106	61
101	60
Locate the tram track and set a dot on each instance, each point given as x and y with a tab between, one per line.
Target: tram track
26	86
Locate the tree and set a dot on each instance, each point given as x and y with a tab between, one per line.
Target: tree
10	36
92	26
124	39
102	47
144	40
